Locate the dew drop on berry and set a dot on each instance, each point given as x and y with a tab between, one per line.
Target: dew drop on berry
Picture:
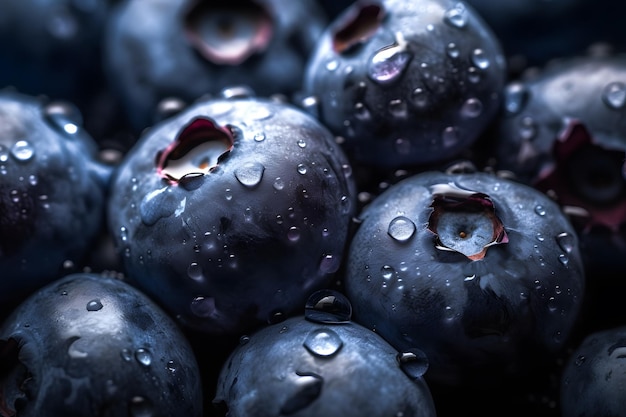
4	154
450	136
323	342
361	112
194	271
456	16
401	229
171	366
308	389
413	362
302	169
453	50
329	264
293	234
388	64
397	108
301	143
75	350
94	305
402	146
419	97
328	307
203	306
566	242
140	407
332	65
143	356
250	174
480	60
472	108
387	272
126	355
259	137
22	150
540	210
515	98
473	75
614	95
563	259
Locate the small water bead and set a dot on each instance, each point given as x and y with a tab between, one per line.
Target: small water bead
308	389
301	143
250	174
171	366
401	229
515	97
244	340
540	237
329	264
4	154
528	128
473	75
203	306
402	146
453	50
419	98
143	356
323	342
332	65
328	307
614	95
563	259
457	16
279	184
140	407
228	194
472	108
540	210
32	180
94	305
302	169
390	62
397	108
259	137
566	242
194	271
22	150
293	234
480	59
450	136
126	355
413	362
361	112
387	272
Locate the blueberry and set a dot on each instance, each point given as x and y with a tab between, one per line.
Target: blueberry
52	192
406	83
475	270
89	345
188	48
592	382
563	134
314	368
232	211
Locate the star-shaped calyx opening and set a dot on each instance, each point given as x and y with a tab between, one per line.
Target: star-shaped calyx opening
228	32
357	26
198	149
464	221
586	179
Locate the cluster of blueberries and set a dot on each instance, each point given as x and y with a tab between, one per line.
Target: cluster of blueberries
312	208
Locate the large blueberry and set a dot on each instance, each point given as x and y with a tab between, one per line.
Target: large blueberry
475	270
155	49
406	82
88	345
233	211
51	192
310	367
563	133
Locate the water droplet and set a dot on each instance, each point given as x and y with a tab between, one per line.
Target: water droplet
323	342
203	306
171	366
390	62
480	59
361	112
259	137
457	16
194	271
473	75
140	407
528	128
279	184
22	151
419	97
75	350
580	360
472	108
250	174
453	50
328	307
614	95
143	356
540	210
123	233
332	65
397	108
566	241
540	237
32	180
94	305
301	143
4	154
387	272
126	355
515	98
402	146
293	234
301	169
413	362
450	137
228	195
329	264
308	389
563	259
401	229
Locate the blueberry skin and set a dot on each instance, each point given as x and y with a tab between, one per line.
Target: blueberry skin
471	317
230	248
52	192
592	382
406	83
315	369
563	133
93	345
148	55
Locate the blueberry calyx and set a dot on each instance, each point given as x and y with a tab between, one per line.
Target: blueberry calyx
198	149
586	178
358	27
464	221
228	33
